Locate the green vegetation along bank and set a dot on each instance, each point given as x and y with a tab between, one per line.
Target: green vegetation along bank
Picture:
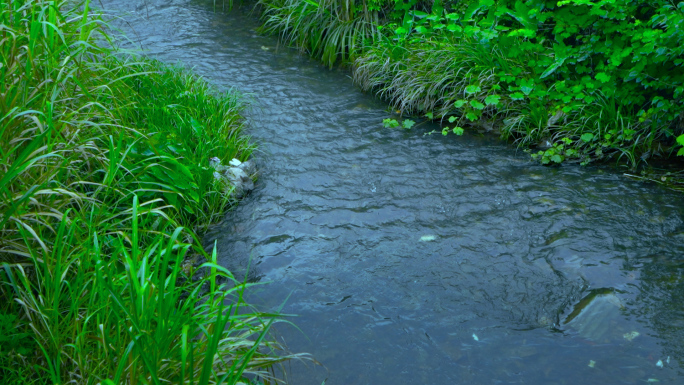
105	179
584	80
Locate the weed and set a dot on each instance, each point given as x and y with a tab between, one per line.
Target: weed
104	180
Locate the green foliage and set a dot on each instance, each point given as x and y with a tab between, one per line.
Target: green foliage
390	123
393	123
408	123
680	141
556	153
186	123
612	69
15	342
104	176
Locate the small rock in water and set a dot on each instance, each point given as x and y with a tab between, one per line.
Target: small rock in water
631	335
428	238
545	321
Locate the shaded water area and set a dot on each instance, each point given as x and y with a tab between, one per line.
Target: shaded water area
423	259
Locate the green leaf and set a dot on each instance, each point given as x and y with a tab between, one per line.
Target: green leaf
477	105
197	127
492	100
526	86
452	119
556	158
459	131
453	16
473	89
552	68
517	96
408	123
603	77
680	140
390	123
454	28
459	103
471	116
587	137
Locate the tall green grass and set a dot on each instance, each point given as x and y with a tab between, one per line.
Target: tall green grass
430	76
104	182
331	30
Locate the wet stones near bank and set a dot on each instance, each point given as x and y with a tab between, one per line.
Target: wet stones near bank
236	175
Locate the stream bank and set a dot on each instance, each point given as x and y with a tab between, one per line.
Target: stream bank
423	259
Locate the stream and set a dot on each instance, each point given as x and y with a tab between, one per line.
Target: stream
412	258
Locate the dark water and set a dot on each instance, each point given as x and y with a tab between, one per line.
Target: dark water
415	259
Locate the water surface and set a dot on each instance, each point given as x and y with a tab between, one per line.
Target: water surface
422	259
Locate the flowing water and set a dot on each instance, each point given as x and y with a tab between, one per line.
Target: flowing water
423	259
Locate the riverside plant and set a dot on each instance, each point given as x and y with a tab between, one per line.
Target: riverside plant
104	182
330	30
525	67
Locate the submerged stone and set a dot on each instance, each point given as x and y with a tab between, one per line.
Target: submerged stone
596	316
631	335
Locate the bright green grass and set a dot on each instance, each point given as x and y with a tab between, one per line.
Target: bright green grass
330	30
104	181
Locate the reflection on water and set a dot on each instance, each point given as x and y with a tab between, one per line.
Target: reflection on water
415	259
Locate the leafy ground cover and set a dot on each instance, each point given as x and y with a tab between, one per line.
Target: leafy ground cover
105	180
584	80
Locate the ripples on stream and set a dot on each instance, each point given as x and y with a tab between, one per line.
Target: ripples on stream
415	259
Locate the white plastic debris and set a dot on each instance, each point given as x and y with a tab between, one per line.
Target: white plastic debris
428	238
237	175
660	364
592	363
475	337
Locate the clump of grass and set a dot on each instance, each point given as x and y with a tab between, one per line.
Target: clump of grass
118	308
329	30
431	76
104	181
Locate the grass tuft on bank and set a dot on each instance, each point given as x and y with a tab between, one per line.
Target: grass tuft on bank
105	181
